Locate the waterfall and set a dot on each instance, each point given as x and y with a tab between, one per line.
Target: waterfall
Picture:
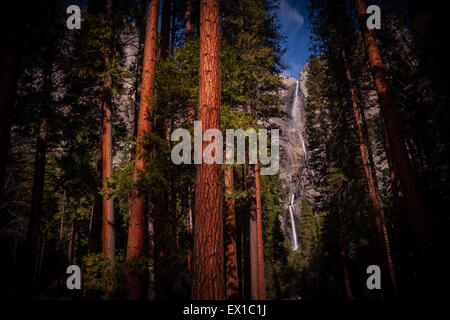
297	118
294	233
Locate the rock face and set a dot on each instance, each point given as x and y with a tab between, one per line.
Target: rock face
294	172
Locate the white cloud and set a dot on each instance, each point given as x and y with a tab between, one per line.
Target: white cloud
290	17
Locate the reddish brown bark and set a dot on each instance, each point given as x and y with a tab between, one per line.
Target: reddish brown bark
394	137
141	22
136	214
207	260
108	240
254	273
374	196
261	276
231	273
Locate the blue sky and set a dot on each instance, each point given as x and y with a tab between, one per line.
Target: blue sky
294	19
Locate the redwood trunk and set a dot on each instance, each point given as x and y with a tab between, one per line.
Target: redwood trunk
261	276
208	261
136	214
254	273
342	258
397	148
230	237
375	199
108	244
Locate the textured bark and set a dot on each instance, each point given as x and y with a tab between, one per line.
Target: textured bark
397	148
261	276
231	272
138	75
187	20
108	239
208	261
245	245
374	195
254	273
137	199
189	226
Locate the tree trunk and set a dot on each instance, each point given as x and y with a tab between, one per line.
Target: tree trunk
399	154
96	224
374	196
173	26
8	87
108	241
254	273
165	29
137	199
187	21
61	227
39	169
342	257
207	261
261	276
70	248
245	245
138	75
161	254
230	237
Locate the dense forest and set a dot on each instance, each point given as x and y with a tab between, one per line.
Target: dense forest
89	116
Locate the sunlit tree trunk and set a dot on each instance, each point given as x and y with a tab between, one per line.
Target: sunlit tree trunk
394	137
137	200
138	70
208	260
374	195
261	276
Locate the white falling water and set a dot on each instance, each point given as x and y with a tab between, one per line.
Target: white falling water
294	233
297	118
